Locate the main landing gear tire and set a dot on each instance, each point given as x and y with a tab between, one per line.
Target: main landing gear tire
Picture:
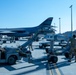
11	60
52	58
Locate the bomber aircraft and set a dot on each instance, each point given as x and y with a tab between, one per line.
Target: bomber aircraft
23	32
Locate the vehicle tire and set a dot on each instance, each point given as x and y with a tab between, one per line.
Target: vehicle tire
4	41
66	54
40	46
11	60
47	51
44	46
53	59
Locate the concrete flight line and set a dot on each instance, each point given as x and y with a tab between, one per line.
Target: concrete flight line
50	70
54	71
57	70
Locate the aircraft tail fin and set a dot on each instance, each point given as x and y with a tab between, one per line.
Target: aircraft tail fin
46	23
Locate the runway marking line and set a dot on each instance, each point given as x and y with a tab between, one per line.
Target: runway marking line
56	69
50	71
